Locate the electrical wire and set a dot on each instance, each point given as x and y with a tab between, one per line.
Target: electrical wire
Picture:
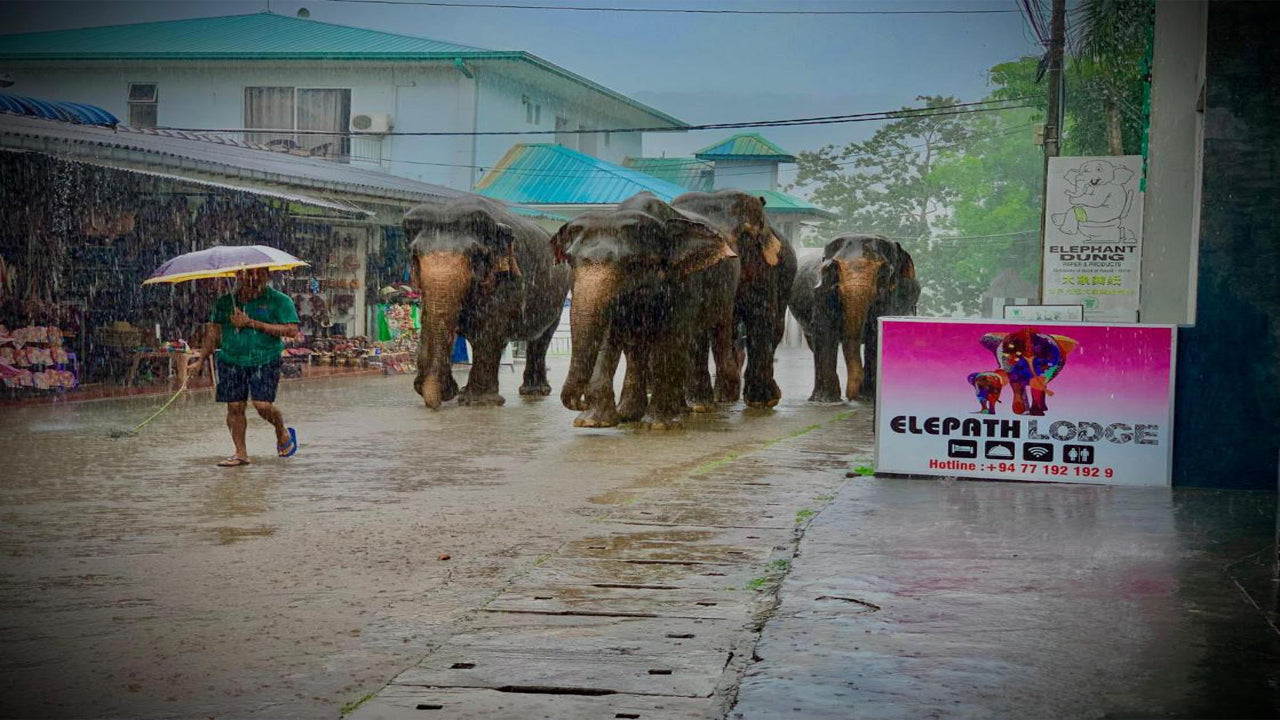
941	110
687	11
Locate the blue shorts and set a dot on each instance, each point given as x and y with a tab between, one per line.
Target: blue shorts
237	383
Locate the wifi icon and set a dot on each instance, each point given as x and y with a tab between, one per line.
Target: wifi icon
1037	452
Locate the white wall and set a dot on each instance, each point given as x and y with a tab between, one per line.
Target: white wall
1171	211
746	175
419	97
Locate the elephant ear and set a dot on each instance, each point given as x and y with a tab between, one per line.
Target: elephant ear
696	245
991	341
505	252
561	240
772	250
1071	176
1065	344
1122	175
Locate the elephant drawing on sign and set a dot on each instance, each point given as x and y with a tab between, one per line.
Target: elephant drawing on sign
647	280
487	275
837	299
760	303
1099	202
1029	360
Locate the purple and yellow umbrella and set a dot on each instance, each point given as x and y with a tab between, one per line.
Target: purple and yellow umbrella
222	261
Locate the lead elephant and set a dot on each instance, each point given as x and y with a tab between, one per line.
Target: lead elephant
646	278
760	302
837	299
489	276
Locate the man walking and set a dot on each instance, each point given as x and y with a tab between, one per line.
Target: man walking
248	325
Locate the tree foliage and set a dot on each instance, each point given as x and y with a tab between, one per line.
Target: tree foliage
962	192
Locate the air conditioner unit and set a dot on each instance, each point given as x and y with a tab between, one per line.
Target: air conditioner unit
371	123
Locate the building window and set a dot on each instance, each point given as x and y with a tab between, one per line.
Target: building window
284	110
537	114
144	98
563	135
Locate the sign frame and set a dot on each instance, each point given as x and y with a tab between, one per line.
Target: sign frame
882	468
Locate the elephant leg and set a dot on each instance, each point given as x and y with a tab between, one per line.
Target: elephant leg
601	411
728	369
701	394
1038	406
825	341
535	366
868	390
635	386
670	355
1019	397
482	382
759	389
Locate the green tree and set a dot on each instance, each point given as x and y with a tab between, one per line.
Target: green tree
1106	77
884	185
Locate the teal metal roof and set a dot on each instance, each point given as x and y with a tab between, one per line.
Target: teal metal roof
689	173
267	36
261	35
545	174
778	202
745	146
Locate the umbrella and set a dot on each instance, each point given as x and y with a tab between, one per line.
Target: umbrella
222	261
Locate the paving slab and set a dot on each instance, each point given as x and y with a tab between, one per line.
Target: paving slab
581	571
600	634
400	702
649	601
582	672
680	544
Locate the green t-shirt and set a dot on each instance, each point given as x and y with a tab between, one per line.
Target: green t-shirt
245	346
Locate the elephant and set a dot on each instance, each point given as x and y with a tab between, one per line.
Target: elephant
1099	202
488	275
987	386
837	299
1029	359
647	279
760	303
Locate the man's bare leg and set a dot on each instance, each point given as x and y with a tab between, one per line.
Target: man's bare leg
236	423
269	412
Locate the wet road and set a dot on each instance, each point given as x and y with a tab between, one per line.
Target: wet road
140	581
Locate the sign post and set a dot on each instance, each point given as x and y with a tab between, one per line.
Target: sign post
1046	401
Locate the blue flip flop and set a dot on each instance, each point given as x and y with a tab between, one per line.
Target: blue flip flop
291	446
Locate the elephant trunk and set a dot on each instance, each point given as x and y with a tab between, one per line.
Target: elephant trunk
443	280
594	287
857	291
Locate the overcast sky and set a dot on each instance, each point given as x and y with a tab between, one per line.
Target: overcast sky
699	68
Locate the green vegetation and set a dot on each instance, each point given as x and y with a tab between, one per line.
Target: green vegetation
803	515
865	470
351	707
962	192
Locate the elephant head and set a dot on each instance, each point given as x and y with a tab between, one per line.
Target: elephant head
742	215
870	277
461	247
638	249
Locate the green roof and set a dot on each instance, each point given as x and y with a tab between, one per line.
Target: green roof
545	174
267	36
260	35
778	202
745	146
688	173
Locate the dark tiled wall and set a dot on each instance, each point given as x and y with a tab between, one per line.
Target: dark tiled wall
1227	431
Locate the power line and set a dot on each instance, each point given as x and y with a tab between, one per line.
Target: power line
906	113
685	11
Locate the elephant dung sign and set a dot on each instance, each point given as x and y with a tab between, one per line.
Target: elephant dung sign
1093	235
1083	403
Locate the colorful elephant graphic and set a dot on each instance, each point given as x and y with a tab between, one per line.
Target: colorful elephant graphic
1029	359
988	386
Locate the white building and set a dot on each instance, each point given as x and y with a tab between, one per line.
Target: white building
276	75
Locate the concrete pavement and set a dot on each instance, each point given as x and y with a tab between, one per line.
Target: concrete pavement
914	598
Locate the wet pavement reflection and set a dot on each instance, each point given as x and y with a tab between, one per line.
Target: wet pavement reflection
141	581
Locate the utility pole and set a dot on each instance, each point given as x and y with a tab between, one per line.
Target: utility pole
1053	115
